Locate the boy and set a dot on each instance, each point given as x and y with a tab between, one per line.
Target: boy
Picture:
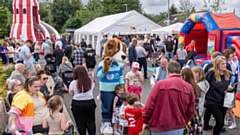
123	121
133	115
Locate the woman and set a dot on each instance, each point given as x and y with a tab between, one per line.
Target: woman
229	56
14	86
65	66
41	75
89	59
219	80
203	84
194	126
10	53
146	45
83	104
36	51
28	109
4	53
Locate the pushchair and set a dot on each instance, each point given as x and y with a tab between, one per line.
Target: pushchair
49	68
67	77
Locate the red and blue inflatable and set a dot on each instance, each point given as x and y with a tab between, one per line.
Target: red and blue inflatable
212	32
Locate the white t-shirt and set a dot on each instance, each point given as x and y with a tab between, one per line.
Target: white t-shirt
133	79
10	49
81	96
123	122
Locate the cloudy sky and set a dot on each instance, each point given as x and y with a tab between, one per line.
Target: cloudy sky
156	6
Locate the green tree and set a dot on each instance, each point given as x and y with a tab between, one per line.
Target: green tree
7	3
119	6
186	7
215	6
173	9
156	18
73	23
62	10
6	21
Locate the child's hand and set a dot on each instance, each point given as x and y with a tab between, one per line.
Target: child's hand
137	103
70	122
114	114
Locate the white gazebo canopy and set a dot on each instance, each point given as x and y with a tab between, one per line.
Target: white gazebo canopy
130	22
172	29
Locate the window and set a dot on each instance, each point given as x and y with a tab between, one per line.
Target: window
16	11
24	11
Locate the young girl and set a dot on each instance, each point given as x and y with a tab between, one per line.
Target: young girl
191	46
119	89
134	78
182	54
55	120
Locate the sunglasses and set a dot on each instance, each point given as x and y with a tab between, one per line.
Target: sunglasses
45	78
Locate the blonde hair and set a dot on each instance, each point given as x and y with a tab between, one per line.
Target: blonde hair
64	60
38	67
11	83
140	43
146	36
53	104
199	70
193	41
216	65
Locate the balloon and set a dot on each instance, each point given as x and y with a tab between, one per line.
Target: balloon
181	39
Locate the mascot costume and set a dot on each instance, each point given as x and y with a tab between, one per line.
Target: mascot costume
110	74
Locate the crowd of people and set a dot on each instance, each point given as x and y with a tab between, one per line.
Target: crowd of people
183	107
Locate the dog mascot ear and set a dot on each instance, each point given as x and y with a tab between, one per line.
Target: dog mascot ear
110	74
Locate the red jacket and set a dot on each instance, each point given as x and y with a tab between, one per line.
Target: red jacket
170	105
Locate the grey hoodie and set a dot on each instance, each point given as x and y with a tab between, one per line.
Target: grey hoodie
65	67
204	86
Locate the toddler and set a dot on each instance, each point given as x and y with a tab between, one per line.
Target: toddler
119	89
123	121
55	120
133	80
133	115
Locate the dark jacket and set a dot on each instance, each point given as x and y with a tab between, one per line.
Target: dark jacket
68	51
132	54
170	105
58	54
215	94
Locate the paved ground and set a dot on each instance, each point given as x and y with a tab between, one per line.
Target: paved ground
145	93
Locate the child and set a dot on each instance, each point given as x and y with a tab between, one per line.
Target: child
123	121
191	46
133	115
182	54
55	120
134	78
119	89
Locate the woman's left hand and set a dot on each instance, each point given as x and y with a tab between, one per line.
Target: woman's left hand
230	88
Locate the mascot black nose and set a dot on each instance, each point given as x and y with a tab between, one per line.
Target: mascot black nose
123	57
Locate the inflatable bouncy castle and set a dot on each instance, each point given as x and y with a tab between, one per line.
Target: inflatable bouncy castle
212	32
27	23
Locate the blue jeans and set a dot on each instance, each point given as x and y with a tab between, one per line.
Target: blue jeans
170	55
36	57
171	132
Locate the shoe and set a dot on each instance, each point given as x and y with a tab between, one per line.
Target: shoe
116	132
232	126
223	129
225	123
207	127
145	77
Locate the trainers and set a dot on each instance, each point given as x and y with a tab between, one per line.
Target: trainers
223	129
226	123
207	127
116	133
232	126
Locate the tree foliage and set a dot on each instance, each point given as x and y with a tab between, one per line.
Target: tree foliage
215	6
173	9
186	7
156	18
6	21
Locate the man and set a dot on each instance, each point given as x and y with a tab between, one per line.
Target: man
104	40
59	43
58	54
132	53
169	47
83	45
64	42
69	50
170	105
78	56
142	60
48	41
175	41
160	73
18	73
28	57
46	48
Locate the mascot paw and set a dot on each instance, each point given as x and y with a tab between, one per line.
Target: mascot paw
107	64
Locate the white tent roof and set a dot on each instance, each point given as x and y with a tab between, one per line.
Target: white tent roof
174	29
121	22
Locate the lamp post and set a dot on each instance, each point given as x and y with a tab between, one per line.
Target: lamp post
126	7
168	21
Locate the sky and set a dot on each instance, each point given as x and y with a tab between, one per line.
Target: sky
157	6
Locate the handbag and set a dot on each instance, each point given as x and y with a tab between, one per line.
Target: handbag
146	131
228	99
69	131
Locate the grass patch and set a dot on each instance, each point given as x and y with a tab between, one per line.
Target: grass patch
1	41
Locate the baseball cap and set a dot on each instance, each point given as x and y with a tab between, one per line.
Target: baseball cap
135	65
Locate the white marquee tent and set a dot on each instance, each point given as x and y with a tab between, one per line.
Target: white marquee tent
130	22
171	29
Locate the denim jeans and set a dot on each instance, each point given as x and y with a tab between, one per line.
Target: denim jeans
171	132
170	55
